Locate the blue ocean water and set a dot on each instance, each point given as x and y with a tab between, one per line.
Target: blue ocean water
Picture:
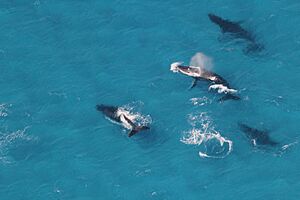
60	58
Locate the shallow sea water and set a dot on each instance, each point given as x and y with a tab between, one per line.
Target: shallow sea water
60	58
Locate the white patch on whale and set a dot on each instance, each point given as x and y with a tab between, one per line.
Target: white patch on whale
131	111
222	89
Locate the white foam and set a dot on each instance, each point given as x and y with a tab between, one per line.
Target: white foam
9	139
200	101
4	109
174	66
222	89
197	137
211	143
191	70
129	110
285	148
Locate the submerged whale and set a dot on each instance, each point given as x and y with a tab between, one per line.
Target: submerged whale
217	82
236	30
257	137
122	117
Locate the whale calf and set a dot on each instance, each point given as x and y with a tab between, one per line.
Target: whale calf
122	117
217	82
257	137
236	30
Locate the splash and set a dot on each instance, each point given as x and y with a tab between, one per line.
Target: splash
286	147
200	101
133	112
210	142
4	109
222	89
202	61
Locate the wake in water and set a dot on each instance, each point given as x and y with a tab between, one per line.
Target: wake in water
201	101
4	109
211	143
9	140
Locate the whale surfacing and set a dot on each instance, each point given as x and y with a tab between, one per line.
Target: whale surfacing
257	137
217	82
237	31
122	117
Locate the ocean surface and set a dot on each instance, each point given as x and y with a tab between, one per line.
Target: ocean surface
59	58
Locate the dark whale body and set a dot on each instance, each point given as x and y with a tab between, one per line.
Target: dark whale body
237	31
258	137
212	78
112	113
109	111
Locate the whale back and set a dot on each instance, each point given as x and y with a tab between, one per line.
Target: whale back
108	111
258	136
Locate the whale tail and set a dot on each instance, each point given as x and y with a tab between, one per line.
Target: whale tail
137	129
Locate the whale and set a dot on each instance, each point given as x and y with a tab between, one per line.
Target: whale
237	31
257	137
217	82
122	117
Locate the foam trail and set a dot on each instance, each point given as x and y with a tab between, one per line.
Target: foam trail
201	60
213	143
210	142
4	109
200	101
285	148
8	140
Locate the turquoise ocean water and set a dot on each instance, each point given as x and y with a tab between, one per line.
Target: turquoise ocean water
60	58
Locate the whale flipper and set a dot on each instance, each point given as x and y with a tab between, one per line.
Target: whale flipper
129	121
194	83
137	129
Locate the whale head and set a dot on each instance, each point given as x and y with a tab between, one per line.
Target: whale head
174	66
215	19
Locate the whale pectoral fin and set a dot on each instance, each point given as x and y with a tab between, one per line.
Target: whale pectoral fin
229	97
194	83
129	121
137	129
